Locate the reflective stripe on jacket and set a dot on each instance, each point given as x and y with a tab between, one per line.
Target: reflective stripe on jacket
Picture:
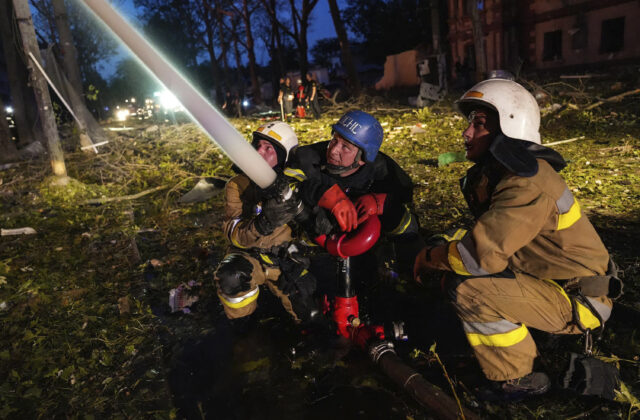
532	225
241	204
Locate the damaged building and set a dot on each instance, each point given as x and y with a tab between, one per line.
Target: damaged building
545	34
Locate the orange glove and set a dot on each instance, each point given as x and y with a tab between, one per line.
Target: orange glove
370	204
335	200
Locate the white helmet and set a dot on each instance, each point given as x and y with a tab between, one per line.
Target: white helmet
279	134
517	108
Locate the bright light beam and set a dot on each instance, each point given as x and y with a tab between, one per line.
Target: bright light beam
211	121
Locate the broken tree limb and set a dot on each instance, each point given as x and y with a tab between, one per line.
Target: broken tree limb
125	197
428	395
563	141
612	99
81	125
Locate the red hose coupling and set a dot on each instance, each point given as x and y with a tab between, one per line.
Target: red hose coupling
353	243
365	333
345	314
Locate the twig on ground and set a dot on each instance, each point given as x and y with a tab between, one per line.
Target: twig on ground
125	197
612	99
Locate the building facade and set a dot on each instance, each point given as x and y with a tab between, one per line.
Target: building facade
546	34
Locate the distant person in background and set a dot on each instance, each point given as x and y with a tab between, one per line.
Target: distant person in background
285	96
312	96
227	106
236	102
301	100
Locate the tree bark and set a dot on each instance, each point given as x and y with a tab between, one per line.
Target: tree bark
30	45
16	75
478	41
345	48
253	74
8	151
67	47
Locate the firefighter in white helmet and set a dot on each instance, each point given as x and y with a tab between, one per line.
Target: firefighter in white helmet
530	243
262	247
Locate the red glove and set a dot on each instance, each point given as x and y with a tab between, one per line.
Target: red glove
370	204
335	200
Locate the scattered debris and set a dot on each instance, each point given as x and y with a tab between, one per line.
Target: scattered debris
124	305
18	231
125	197
181	299
563	141
204	190
450	157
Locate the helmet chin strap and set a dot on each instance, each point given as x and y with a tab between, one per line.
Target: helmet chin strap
336	170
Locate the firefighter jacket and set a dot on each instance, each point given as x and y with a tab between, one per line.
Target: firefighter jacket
242	204
308	164
528	224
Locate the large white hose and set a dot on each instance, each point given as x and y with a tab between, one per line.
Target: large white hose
213	123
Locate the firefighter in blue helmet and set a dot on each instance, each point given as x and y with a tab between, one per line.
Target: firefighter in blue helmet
347	178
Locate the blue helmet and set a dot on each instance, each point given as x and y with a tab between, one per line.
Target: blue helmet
363	130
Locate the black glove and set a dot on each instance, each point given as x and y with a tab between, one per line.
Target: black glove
314	222
292	279
278	188
276	213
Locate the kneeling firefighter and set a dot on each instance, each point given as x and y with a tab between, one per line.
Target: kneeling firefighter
532	259
263	250
348	179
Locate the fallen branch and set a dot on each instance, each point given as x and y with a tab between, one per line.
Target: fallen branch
125	197
553	143
612	99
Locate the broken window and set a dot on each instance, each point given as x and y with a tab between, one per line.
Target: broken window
552	48
612	36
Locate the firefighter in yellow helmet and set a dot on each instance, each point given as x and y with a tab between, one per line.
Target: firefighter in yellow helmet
532	259
263	250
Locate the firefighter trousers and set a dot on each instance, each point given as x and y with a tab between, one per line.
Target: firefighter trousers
497	312
245	303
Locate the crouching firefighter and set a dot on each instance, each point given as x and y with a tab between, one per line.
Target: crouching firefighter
346	180
263	250
532	259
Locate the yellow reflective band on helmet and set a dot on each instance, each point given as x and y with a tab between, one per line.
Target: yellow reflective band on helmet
275	135
507	339
455	260
266	259
569	218
404	223
473	94
295	173
458	235
241	302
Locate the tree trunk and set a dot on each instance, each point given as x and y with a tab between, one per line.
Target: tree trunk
253	74
209	21
67	47
30	45
345	48
16	75
8	151
478	41
435	26
87	126
278	40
